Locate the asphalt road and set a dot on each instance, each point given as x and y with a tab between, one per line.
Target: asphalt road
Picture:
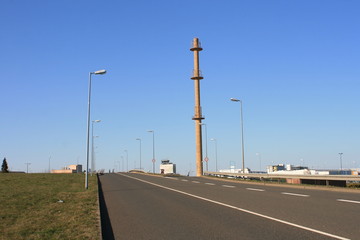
148	207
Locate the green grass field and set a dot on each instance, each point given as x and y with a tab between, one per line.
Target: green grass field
29	207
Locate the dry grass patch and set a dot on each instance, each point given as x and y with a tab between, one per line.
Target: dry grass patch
29	207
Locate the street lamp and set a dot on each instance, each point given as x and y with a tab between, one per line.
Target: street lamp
100	72
49	164
259	156
215	141
341	160
122	163
153	160
92	145
92	155
206	159
127	160
119	165
242	132
139	139
27	167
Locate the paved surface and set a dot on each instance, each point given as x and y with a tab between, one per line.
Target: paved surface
147	207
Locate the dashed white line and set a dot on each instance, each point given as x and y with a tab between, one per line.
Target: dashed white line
195	182
229	186
295	194
255	189
209	183
171	178
349	201
242	209
184	180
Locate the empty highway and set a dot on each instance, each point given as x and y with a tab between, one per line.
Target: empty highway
149	207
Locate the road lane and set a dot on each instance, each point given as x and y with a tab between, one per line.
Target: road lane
167	203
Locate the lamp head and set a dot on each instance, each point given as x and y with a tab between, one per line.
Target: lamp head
234	99
100	72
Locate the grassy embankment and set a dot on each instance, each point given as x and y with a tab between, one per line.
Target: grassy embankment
29	207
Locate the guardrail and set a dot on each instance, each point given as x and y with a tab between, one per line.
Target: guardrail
284	176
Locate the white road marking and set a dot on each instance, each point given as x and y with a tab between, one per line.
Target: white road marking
171	178
255	189
195	182
350	201
241	209
184	180
207	183
228	186
295	194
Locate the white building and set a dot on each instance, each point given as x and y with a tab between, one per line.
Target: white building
166	167
233	170
75	168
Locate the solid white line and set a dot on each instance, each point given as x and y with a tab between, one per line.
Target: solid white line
350	201
195	182
241	209
207	183
184	180
295	194
228	186
255	189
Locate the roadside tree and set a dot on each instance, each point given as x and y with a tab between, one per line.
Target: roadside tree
4	166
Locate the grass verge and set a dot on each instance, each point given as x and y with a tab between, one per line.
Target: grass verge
29	207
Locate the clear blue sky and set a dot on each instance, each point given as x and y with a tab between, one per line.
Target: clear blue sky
295	65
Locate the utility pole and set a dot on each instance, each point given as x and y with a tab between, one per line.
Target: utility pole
196	48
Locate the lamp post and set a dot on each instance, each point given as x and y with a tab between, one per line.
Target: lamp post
259	156
49	164
92	155
340	154
100	72
127	160
242	132
153	159
206	159
215	141
27	167
139	139
122	163
92	144
119	166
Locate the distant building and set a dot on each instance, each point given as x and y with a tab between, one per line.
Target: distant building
75	168
302	170
287	167
166	167
233	170
291	170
